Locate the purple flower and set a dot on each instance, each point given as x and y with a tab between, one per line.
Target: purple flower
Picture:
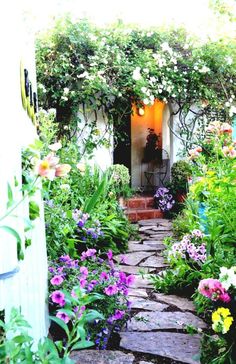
65	258
82	282
63	316
118	315
111	290
90	287
109	254
57	280
58	297
51	269
104	276
122	277
84	271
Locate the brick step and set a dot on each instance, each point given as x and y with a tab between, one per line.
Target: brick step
139	202
135	215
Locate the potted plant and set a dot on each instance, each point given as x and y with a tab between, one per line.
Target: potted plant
180	173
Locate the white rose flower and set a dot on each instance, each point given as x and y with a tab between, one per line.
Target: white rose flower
204	69
55	147
136	74
229	60
66	91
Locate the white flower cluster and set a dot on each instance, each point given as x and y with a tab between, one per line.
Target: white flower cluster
228	277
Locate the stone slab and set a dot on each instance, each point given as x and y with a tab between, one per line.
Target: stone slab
135	270
180	302
132	258
155	243
142	282
180	347
145	362
137	292
140	247
155	262
161	235
144	228
147	305
149	321
102	357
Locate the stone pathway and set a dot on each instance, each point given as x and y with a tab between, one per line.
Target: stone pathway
156	333
158	324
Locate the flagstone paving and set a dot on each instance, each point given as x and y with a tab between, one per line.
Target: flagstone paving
158	324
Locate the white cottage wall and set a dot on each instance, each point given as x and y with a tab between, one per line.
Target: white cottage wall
103	156
26	289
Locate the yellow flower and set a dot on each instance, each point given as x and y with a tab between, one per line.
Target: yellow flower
222	320
227	323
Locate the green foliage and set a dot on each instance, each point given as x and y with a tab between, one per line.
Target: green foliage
100	70
120	180
180	173
16	346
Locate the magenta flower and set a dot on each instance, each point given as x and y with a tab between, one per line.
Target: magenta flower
82	282
111	290
130	280
213	289
118	315
104	276
57	280
58	297
122	277
110	254
63	316
84	271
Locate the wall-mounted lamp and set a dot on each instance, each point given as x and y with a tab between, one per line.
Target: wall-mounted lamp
141	111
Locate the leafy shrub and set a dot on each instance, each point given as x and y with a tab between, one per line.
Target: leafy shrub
180	173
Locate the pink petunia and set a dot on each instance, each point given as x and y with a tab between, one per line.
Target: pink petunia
213	289
84	271
63	316
111	290
130	280
58	297
57	280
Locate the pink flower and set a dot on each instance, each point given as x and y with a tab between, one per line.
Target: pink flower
109	254
63	316
213	289
58	297
57	280
229	151
62	170
84	271
111	290
46	167
130	280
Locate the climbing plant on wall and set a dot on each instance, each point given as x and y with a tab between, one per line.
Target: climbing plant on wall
94	69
